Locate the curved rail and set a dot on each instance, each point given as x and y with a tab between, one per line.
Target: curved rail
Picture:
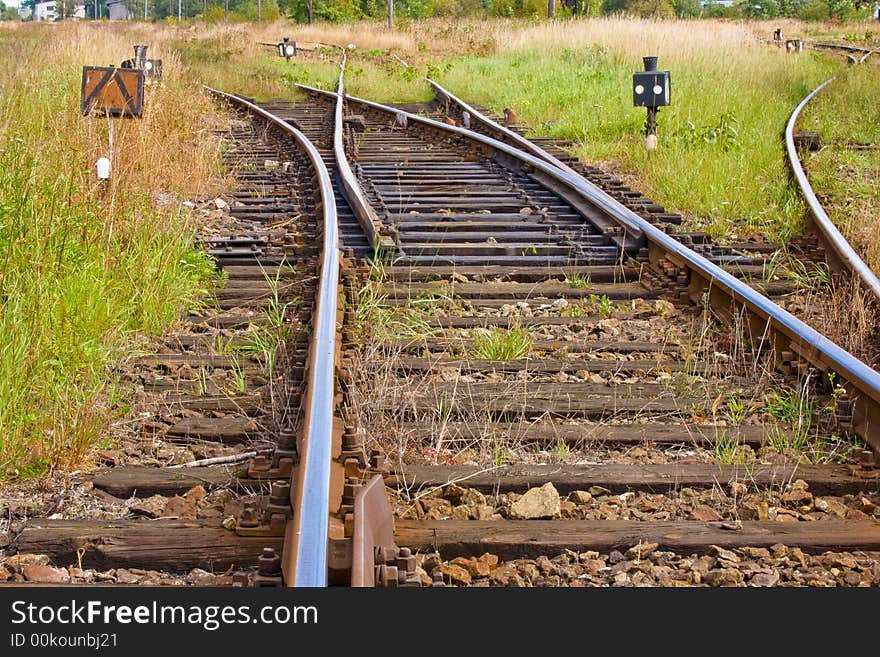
363	211
835	243
778	324
304	560
865	52
517	139
618	224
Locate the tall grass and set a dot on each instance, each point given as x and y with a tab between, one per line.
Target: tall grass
83	268
721	158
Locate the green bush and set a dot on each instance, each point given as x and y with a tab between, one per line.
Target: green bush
817	10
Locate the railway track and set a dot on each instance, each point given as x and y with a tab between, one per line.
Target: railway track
533	379
842	258
576	388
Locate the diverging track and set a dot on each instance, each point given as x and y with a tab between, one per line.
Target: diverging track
527	375
537	371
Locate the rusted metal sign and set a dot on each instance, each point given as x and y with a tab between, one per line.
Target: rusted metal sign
114	91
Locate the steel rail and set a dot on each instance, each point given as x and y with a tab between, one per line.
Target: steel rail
518	140
777	322
619	219
839	46
834	242
363	210
304	561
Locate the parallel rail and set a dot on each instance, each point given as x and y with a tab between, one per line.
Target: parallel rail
768	320
616	220
304	561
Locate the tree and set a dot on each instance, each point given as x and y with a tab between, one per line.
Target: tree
839	8
761	8
652	8
687	8
8	13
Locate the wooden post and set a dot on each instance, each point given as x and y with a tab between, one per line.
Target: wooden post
390	14
551	8
311	11
259	11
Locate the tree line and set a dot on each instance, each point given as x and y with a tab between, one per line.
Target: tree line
348	10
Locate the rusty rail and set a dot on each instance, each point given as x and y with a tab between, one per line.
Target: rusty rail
840	254
767	320
304	561
852	50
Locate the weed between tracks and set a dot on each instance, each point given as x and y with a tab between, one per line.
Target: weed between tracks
501	344
797	420
83	267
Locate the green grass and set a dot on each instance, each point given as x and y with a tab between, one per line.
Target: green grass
578	281
83	270
72	293
721	160
795	427
729	450
239	66
377	320
501	344
721	155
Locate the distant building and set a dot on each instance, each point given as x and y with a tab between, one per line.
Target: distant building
45	11
117	10
48	11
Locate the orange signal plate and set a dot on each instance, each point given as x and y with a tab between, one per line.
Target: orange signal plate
113	91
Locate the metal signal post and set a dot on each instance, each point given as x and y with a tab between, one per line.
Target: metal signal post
651	90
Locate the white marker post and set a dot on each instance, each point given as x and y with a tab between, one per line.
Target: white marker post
103	168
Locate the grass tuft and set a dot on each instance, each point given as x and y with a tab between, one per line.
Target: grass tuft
501	344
